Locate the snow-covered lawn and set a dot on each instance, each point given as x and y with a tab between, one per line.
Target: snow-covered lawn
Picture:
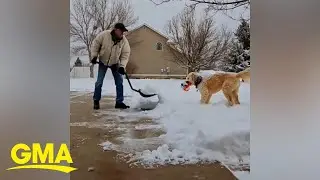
193	133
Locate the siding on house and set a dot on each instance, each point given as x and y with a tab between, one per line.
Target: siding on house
145	55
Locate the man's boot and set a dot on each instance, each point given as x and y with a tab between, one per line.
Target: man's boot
121	106
96	105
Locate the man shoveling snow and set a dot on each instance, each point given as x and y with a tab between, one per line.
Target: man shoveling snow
113	50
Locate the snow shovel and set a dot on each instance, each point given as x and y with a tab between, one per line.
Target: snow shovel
146	104
138	91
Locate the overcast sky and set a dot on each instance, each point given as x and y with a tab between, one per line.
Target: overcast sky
157	16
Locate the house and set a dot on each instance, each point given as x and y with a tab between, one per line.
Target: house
151	55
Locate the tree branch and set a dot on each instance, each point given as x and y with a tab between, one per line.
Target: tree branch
90	17
196	43
222	3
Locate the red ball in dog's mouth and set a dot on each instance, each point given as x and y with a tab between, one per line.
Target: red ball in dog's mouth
186	86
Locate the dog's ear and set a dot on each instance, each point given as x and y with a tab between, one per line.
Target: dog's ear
194	77
189	76
198	78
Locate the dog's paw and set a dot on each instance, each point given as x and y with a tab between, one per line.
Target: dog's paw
228	104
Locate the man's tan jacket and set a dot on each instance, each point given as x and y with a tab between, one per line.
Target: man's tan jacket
110	54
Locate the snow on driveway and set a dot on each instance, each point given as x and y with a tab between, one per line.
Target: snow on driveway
193	133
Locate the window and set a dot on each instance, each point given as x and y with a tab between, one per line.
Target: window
159	46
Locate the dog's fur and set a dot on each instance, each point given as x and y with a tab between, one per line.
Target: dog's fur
228	82
245	75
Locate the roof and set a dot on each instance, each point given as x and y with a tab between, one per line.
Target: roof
146	25
169	42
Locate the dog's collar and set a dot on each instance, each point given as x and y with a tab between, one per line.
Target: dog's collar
198	81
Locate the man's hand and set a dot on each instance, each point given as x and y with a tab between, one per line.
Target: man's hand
121	70
94	60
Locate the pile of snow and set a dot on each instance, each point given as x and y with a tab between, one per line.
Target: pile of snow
197	133
146	103
194	133
161	156
150	126
242	175
108	146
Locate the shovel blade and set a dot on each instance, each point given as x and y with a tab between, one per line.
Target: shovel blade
149	103
147	95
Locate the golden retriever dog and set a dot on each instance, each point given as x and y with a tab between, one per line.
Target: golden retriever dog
228	82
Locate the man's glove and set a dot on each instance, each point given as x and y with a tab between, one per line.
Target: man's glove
121	70
94	60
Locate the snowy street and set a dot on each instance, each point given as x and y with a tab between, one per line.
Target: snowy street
184	132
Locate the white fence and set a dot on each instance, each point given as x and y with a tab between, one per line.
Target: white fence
83	72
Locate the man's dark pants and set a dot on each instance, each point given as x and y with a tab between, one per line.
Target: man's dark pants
118	80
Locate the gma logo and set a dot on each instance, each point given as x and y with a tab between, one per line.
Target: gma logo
35	158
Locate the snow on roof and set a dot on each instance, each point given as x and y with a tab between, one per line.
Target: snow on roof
146	25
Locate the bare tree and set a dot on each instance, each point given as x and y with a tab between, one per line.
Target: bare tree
90	17
107	12
219	4
224	6
196	44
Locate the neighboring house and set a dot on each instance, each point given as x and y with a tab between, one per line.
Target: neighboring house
150	54
150	57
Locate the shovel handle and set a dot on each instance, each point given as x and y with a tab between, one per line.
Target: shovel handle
127	77
138	91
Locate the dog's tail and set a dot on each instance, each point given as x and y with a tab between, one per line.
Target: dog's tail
244	75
